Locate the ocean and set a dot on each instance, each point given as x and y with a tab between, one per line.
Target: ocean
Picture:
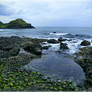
75	34
45	32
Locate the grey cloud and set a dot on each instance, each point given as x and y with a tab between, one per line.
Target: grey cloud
4	11
89	5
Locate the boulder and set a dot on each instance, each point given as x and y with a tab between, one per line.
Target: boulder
85	43
53	41
9	53
46	47
54	32
60	39
34	48
63	46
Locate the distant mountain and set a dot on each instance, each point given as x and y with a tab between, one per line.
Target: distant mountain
16	24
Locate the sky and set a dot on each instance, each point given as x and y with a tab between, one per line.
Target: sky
48	12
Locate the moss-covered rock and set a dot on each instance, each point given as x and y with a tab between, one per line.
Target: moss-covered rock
34	48
84	59
16	24
85	43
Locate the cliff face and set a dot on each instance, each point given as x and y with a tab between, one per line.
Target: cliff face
15	24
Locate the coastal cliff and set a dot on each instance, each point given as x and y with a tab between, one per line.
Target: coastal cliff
16	24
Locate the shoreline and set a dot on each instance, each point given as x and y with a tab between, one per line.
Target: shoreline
10	64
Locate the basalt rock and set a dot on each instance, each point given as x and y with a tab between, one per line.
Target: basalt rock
85	43
53	41
84	59
63	46
34	48
46	47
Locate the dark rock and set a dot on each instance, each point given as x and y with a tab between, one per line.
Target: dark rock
52	41
60	39
85	43
70	36
54	32
12	52
84	59
46	47
63	46
34	48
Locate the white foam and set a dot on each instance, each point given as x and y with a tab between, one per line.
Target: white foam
58	34
61	34
73	45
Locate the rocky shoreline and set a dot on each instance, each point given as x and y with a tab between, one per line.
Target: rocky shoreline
16	52
12	78
84	59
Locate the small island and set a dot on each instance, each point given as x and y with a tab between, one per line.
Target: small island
15	24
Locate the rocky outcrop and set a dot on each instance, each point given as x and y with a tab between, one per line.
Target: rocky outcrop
53	41
34	48
46	47
16	24
85	43
63	46
84	59
60	39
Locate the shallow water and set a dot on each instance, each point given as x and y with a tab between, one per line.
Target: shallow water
57	66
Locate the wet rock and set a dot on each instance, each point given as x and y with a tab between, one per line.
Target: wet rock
84	59
14	63
70	36
60	39
85	43
63	46
53	41
46	47
13	52
34	48
54	32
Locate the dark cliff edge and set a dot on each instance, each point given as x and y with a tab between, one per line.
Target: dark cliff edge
16	24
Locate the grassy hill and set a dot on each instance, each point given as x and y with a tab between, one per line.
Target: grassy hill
15	24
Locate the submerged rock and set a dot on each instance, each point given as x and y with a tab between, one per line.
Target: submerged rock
53	41
63	46
85	43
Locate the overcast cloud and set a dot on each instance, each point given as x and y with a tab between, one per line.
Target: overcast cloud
48	12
